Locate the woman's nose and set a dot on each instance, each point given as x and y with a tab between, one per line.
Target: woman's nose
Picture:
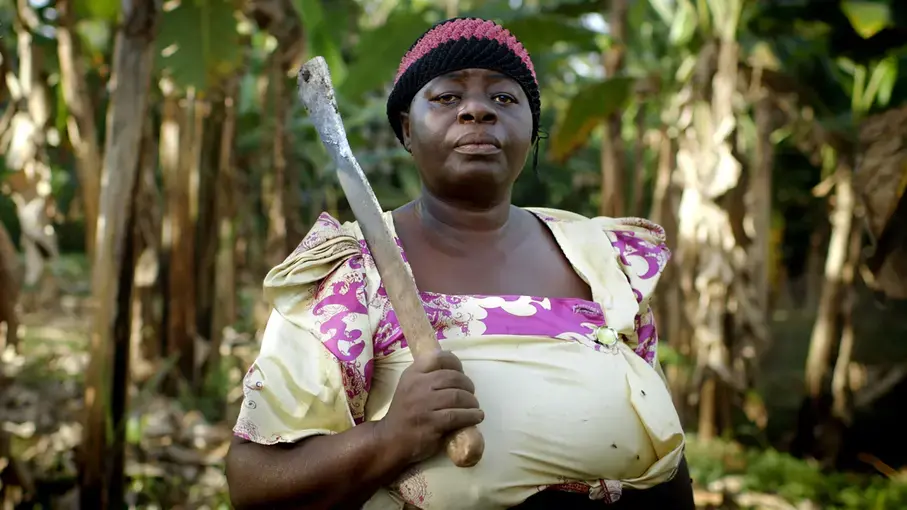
477	111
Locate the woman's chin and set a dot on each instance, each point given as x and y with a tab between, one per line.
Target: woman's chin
481	171
479	180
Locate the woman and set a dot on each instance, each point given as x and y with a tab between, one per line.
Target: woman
549	344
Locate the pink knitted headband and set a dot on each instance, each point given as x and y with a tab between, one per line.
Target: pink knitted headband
464	29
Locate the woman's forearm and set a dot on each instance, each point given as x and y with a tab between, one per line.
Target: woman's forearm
321	472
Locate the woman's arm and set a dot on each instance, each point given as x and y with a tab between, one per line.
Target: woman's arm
320	472
433	399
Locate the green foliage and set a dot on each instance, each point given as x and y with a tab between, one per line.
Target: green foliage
540	33
96	35
572	7
587	110
198	44
868	85
325	27
868	17
107	10
680	17
795	480
7	16
379	51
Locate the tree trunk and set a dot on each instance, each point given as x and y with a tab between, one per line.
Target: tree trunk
842	405
100	486
759	208
277	242
639	161
145	334
224	311
708	410
9	292
180	184
189	359
825	332
80	123
169	157
207	238
818	430
612	157
281	19
813	279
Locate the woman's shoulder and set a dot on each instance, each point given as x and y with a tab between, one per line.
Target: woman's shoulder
618	229
330	252
640	245
327	230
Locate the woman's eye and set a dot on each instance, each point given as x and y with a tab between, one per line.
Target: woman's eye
504	98
446	98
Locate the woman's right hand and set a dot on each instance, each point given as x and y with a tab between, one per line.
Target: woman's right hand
434	398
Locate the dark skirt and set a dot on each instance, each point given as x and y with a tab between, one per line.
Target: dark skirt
676	494
630	500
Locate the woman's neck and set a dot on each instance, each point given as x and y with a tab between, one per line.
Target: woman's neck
438	214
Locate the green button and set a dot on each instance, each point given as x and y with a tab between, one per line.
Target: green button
606	336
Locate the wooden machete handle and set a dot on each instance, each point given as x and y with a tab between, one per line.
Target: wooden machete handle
465	447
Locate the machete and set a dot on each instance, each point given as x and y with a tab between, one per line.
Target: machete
464	447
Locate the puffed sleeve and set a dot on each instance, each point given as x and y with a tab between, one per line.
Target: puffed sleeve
313	371
643	256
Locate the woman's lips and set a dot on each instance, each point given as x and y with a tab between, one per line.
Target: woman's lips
483	149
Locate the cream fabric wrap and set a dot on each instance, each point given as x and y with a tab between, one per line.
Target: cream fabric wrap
556	411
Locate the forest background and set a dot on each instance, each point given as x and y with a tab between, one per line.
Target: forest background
156	163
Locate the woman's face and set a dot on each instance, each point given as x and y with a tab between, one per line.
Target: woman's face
469	133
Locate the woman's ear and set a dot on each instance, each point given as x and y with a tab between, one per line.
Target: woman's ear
404	124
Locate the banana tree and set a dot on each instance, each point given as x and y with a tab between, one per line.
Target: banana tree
869	85
106	384
849	83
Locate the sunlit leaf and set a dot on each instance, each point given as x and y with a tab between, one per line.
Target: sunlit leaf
886	84
664	9
248	95
880	85
639	15
311	12
107	10
572	7
62	112
323	45
540	33
198	42
588	109
867	17
683	24
321	31
379	51
96	35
